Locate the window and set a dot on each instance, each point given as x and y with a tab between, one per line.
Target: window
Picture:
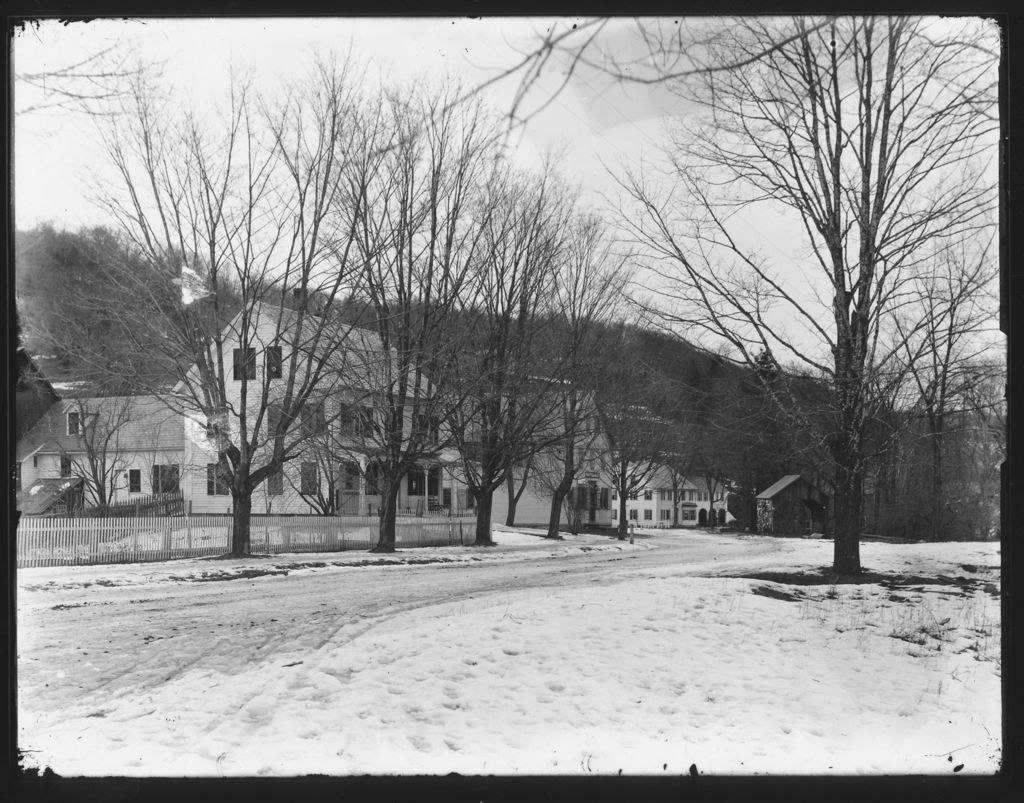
74	423
615	495
350	477
665	494
633	495
604	499
134	481
434	481
372	477
415	481
218	479
364	421
165	479
35	461
648	514
273	362
65	466
689	514
633	515
309	482
581	497
431	429
648	496
244	364
312	417
666	515
275	483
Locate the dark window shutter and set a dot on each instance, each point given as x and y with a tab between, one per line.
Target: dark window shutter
211	479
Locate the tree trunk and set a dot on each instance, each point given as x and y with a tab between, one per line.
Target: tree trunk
240	518
513	499
484	498
622	515
936	533
388	515
848	502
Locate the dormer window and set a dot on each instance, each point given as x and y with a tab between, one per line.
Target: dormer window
74	423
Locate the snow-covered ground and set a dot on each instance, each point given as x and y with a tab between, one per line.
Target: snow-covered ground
588	655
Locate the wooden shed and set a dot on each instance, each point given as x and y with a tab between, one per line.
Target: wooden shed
792	506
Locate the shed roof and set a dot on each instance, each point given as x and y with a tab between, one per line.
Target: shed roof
779	485
43	494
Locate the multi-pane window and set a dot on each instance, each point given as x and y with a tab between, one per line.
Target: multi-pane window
65	465
165	479
134	481
633	514
350	477
218	479
74	422
666	515
648	514
273	362
313	420
665	494
308	480
648	496
689	514
243	364
604	505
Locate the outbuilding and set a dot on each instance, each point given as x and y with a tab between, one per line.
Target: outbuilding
792	506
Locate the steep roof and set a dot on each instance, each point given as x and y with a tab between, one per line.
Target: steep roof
140	423
775	487
43	494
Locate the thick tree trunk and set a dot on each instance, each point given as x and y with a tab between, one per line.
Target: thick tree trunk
484	499
848	502
388	516
240	519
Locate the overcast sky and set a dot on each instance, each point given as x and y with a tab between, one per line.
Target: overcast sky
56	151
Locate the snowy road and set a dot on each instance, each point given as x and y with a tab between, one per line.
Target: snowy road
591	655
284	615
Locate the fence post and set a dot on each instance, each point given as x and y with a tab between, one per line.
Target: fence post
631	531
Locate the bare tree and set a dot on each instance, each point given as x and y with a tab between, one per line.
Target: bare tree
584	298
626	401
239	225
100	424
91	84
872	135
504	375
415	242
952	330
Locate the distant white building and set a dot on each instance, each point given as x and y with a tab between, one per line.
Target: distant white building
690	503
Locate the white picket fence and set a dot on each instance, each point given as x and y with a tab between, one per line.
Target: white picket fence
62	541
